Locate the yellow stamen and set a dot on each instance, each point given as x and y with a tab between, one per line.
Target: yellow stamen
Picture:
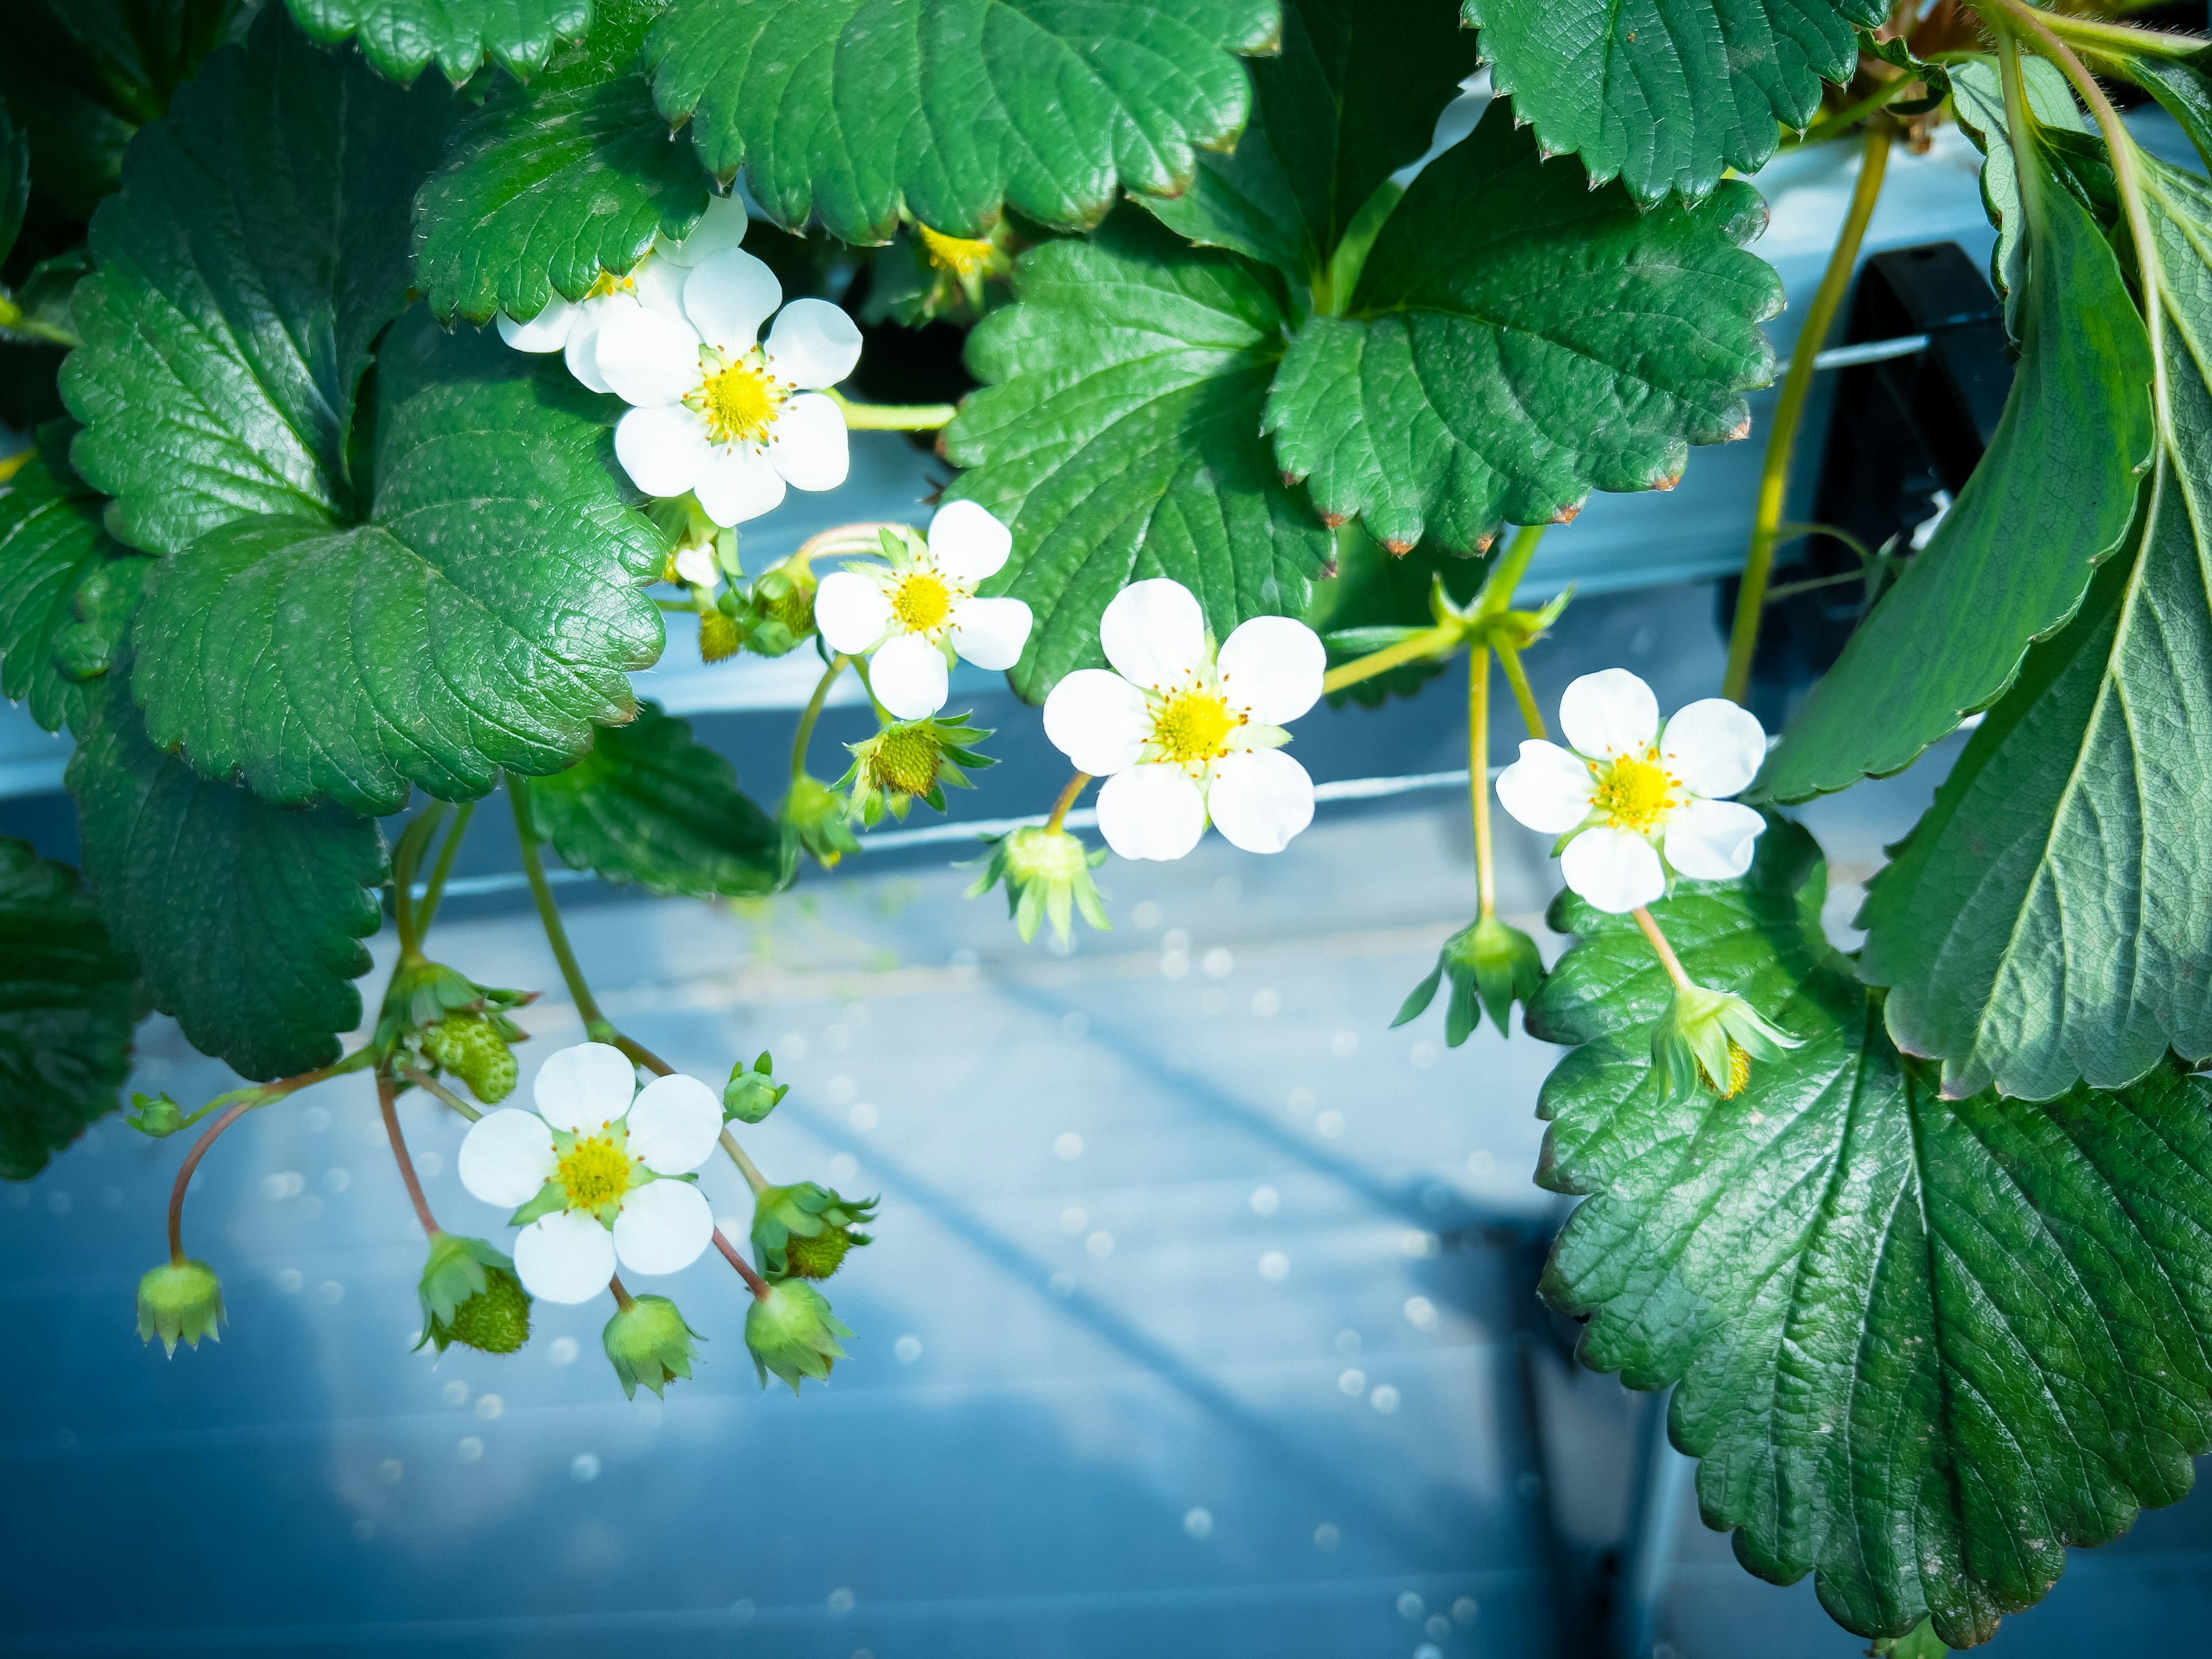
1637	795
920	601
1190	730
594	1171
956	254
610	285
740	401
1738	1073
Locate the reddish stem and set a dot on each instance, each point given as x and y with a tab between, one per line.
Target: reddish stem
754	1282
230	1114
387	1098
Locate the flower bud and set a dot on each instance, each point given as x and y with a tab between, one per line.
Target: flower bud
1709	1039
1048	874
750	1095
814	814
179	1302
471	1296
719	638
804	1230
1491	966
908	759
160	1117
792	1331
647	1341
776	611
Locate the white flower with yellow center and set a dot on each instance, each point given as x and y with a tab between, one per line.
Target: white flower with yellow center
571	327
1184	733
910	617
596	1171
1634	799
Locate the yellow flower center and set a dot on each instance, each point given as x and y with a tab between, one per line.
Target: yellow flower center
740	401
906	760
610	285
1738	1073
594	1171
1636	794
920	601
1191	726
956	254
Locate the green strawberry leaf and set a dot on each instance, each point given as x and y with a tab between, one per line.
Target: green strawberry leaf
486	616
247	918
1118	433
649	806
257	246
2046	921
1978	105
69	1001
401	36
1501	364
1920	1344
1369	587
50	544
1352	97
858	110
2012	559
545	187
1664	95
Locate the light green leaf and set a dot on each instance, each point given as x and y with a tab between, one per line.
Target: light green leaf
1118	433
856	110
1500	364
1353	96
69	1001
650	806
400	36
1665	94
257	247
547	187
1920	1344
1977	104
51	542
486	616
247	918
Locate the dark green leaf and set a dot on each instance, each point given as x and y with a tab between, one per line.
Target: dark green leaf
649	806
1373	598
1501	364
856	110
247	918
1920	1344
1118	432
50	542
545	187
1353	96
15	179
400	36
258	245
1665	94
485	617
69	1001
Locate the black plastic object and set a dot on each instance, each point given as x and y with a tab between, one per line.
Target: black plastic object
1903	437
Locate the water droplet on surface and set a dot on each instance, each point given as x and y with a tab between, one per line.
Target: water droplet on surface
330	1293
1438	1627
1068	1146
1145	915
1274	1266
389	1470
1266	1004
1074	1218
1075	1026
841	1602
1197	1523
1329	1125
562	1350
1100	1244
455	1393
907	1349
584	1468
1410	1606
1384	1399
1344	1044
469	1449
1352	1382
1347	1342
1326	1537
1467	1610
289	1280
838	1091
863	1117
490	1407
1421	1313
1217	962
1266	1200
1423	1054
844	1167
1062	1285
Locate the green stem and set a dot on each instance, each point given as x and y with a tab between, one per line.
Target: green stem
12	318
1478	779
2120	40
746	1167
1068	799
1497	587
1782	438
230	1114
754	1282
427	909
431	1086
1430	643
813	713
623	1299
1828	126
1665	951
405	856
893	417
387	1099
1517	677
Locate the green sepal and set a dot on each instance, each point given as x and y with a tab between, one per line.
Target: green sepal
750	1095
792	1331
1046	874
804	1211
552	1198
470	1295
1492	965
907	760
1920	1643
1694	1044
648	1342
179	1302
813	816
158	1116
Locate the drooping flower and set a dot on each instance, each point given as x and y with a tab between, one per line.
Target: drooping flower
910	617
1709	1039
649	1342
1048	874
792	1331
714	409
596	1170
1631	800
1492	966
906	760
181	1301
471	1296
1182	732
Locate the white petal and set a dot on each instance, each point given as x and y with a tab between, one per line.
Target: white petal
1713	840
657	285
990	632
814	344
811	448
673	1124
582	353
1154	633
695	563
1273	666
727	296
1548	788
547	332
1713	746
908	677
1098	721
566	1256
663	450
584	1087
852	611
1260	799
647	359
738	482
721	227
1612	869
1152	811
663	1227
968	543
506	1157
1609	714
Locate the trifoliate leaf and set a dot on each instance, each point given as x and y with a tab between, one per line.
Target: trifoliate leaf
1501	364
1920	1344
485	616
1665	94
2012	559
50	545
1978	105
854	109
257	246
400	36
1353	96
247	918
69	1001
650	806
1118	433
549	185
